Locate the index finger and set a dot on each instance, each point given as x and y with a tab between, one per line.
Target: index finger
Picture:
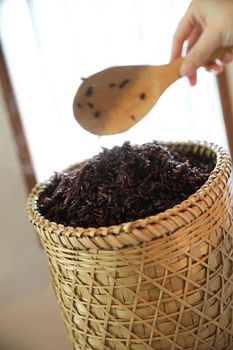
182	32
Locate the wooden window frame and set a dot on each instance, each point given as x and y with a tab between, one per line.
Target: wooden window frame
224	82
16	125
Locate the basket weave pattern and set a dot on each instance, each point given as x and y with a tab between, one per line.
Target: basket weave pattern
164	282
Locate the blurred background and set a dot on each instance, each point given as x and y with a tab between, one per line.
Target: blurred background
46	46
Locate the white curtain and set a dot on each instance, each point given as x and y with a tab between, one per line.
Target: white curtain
51	44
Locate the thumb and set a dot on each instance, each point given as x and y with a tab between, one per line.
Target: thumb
200	53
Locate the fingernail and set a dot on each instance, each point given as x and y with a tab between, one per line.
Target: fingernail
218	70
193	80
187	69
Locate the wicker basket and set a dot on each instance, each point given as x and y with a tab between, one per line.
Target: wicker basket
164	282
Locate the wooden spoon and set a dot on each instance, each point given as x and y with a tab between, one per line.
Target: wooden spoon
113	100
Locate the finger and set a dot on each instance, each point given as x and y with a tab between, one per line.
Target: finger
182	32
193	37
200	52
214	67
193	80
227	58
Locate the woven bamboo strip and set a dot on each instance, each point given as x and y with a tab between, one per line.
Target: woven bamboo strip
164	282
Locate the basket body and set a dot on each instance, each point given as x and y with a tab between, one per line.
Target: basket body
164	282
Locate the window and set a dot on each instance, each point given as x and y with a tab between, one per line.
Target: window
50	45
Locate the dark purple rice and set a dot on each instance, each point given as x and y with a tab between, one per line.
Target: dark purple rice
123	184
78	104
123	83
97	114
89	91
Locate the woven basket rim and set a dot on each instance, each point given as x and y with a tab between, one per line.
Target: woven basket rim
223	163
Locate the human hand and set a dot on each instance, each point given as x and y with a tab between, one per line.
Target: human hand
206	26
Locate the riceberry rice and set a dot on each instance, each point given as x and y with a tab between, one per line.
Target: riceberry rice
97	114
123	184
89	91
123	83
90	105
